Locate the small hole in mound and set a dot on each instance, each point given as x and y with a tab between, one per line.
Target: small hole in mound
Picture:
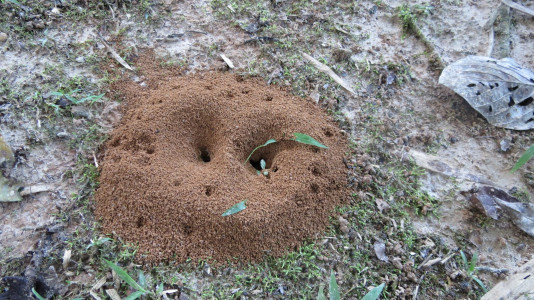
315	150
205	155
328	133
478	93
526	101
150	151
269	98
314	187
275	169
490	108
176	182
187	229
209	191
513	88
316	171
471	85
140	222
530	120
160	101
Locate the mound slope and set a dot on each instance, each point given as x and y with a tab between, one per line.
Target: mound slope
176	163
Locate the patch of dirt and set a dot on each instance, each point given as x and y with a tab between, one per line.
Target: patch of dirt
176	163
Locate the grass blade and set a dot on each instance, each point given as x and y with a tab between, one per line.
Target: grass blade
480	284
260	146
124	276
142	279
308	140
134	295
374	293
320	295
333	289
235	209
524	158
464	260
473	263
37	295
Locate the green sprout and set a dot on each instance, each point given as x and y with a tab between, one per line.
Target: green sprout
524	158
470	269
334	294
299	137
71	98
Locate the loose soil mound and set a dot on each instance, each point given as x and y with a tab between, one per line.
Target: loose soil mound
176	163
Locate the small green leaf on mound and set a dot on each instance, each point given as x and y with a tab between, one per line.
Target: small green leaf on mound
235	209
524	158
260	146
124	276
333	289
308	140
374	293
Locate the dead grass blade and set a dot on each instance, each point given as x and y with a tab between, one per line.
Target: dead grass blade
325	69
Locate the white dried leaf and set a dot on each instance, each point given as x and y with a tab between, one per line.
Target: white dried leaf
380	251
66	258
501	90
112	293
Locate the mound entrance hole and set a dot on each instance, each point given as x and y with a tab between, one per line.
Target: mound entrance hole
204	155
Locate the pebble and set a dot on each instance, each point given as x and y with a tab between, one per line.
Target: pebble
3	37
80	111
62	135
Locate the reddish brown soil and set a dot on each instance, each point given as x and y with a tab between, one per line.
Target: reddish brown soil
176	163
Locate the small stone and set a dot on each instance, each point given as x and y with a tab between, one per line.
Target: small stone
183	296
39	25
81	112
505	144
62	135
80	59
3	37
396	261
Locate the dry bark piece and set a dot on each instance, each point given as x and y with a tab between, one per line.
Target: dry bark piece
517	286
519	7
448	168
501	90
491	200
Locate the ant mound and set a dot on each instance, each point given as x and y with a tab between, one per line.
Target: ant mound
177	162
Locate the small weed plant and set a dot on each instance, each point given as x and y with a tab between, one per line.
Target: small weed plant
333	290
140	287
299	138
470	269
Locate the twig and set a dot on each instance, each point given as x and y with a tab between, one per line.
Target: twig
493	270
325	69
227	61
519	7
116	56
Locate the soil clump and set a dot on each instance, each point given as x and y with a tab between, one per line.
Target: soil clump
176	163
